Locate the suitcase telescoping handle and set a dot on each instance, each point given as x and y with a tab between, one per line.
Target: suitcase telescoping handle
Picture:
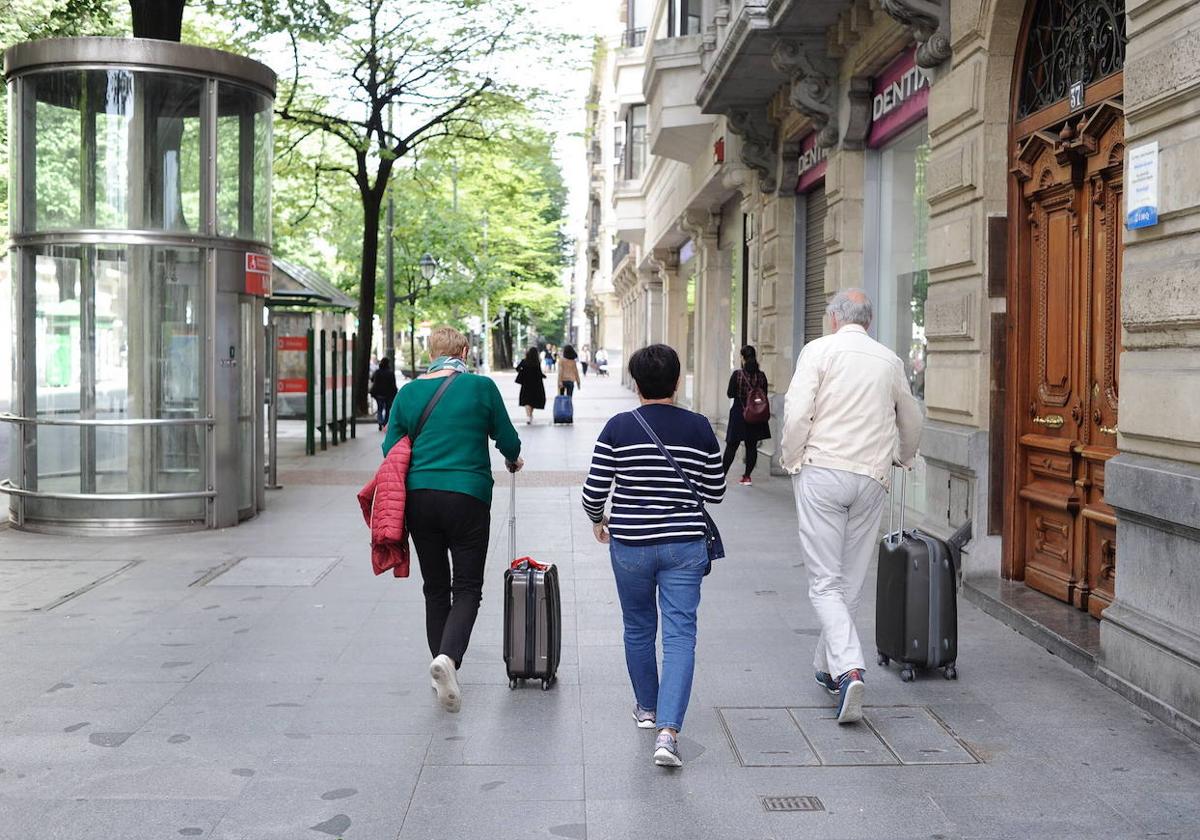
892	532
512	519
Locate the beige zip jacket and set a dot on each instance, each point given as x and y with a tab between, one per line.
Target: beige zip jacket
850	408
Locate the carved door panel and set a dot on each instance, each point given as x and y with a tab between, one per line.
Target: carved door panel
1049	268
1105	217
1068	265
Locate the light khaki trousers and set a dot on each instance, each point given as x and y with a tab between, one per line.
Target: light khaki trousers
839	514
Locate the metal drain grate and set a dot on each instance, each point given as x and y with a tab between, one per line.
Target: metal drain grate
792	803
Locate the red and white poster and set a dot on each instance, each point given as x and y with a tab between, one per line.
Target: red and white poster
258	274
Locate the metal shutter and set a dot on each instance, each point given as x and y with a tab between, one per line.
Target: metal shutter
814	265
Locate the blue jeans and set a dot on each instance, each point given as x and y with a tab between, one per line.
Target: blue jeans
675	570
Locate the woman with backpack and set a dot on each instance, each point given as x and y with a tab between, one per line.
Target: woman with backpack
749	413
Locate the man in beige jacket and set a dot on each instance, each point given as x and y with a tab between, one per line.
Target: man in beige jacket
849	415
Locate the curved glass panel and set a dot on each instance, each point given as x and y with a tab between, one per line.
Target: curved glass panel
243	163
118	335
111	149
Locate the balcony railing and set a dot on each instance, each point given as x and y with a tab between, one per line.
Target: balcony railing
633	37
620	252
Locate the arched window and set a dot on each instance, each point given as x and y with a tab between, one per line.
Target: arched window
1070	41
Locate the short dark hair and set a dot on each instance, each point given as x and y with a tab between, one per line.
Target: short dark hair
655	369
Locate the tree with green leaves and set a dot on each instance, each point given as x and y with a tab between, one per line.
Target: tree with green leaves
388	79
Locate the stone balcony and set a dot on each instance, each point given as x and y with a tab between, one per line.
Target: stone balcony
629	211
673	73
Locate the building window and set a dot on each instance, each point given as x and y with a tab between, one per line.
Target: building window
635	143
637	13
683	18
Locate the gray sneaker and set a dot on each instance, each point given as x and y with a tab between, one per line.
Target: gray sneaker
643	718
666	750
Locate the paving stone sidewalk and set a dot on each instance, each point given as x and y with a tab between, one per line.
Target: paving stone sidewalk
260	683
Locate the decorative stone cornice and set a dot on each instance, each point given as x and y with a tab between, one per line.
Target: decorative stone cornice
751	126
664	262
814	85
929	21
858	124
700	225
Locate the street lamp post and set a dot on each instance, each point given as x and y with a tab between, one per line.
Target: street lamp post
427	265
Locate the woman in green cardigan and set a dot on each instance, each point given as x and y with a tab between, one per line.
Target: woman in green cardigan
448	506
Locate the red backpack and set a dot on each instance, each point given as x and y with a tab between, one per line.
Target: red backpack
757	408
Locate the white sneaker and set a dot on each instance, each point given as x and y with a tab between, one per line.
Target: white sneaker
445	680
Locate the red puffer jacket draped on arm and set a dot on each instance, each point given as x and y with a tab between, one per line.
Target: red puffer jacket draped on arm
382	502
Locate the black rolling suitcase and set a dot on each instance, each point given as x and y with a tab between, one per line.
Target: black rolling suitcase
532	614
916	602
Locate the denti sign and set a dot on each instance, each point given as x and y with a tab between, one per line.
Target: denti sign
814	159
900	98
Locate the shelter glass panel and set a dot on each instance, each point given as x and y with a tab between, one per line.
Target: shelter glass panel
111	149
243	163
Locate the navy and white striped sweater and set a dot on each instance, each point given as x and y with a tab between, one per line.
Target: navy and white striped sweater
650	503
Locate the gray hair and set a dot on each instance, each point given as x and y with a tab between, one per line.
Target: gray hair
851	306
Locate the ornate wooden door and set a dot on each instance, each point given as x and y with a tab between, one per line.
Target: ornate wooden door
1068	213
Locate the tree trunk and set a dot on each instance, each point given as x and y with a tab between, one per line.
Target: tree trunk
366	299
161	19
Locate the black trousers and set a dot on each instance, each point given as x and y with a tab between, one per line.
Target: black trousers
731	448
450	532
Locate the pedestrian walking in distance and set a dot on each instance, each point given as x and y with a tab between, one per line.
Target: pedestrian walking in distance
746	381
585	358
383	389
532	382
656	533
848	417
449	495
568	371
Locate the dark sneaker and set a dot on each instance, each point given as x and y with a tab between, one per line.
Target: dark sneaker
851	688
643	718
827	682
666	750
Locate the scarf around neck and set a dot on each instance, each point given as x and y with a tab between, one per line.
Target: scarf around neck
444	362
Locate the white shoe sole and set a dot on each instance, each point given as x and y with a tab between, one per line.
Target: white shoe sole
445	679
666	758
643	724
852	706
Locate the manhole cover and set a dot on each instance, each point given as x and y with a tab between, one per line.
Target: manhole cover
272	571
39	585
812	737
792	803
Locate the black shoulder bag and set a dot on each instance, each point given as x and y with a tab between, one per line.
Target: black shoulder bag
712	537
431	405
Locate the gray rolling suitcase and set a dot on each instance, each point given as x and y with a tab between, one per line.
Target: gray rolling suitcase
916	601
532	614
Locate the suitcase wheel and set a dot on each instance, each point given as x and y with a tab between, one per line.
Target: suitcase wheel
547	683
512	683
950	672
883	659
908	675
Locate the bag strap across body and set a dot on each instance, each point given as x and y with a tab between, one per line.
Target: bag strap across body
716	548
431	405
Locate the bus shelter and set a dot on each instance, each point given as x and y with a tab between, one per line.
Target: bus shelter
140	260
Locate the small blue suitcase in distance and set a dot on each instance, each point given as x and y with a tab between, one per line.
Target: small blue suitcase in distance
564	410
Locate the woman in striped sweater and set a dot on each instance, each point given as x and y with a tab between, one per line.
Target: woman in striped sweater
656	537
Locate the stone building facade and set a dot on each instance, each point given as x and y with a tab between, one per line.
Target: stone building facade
973	165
